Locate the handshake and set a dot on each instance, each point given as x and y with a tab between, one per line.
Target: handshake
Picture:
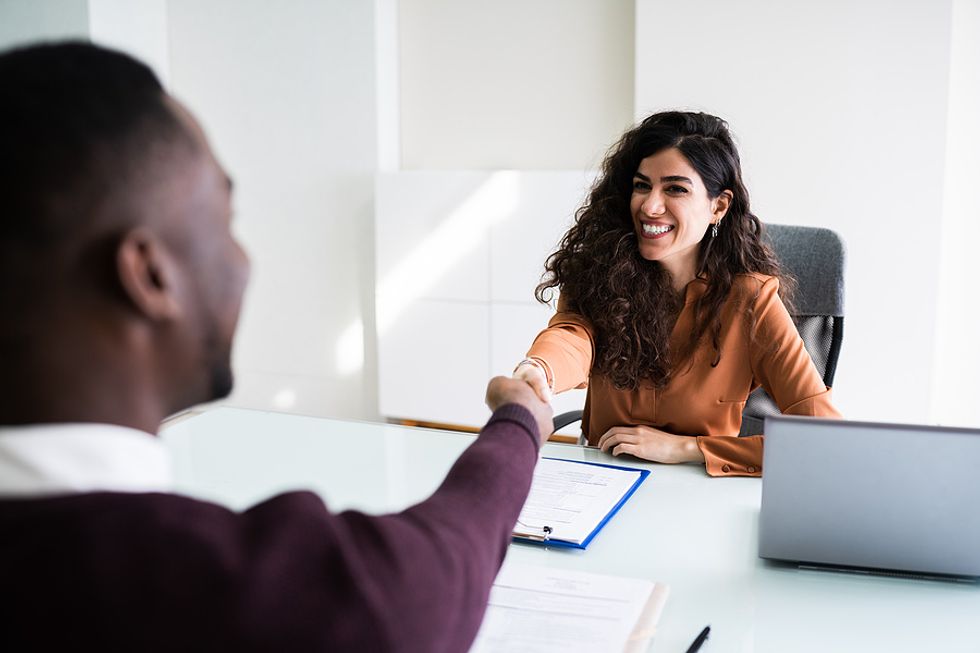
530	388
501	391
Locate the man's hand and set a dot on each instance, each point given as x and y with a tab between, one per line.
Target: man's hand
651	444
502	390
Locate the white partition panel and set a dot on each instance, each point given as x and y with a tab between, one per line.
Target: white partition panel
520	243
458	257
434	363
433	232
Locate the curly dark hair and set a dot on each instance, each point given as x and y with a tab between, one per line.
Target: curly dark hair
630	301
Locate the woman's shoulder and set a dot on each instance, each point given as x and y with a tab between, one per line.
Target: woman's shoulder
755	287
754	281
747	285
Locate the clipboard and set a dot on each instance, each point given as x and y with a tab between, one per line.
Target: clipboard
545	535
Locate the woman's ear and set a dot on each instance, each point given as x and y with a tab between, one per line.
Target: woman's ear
148	275
719	206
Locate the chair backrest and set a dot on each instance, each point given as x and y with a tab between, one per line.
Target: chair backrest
815	258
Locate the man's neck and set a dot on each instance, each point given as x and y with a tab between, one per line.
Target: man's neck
28	408
52	386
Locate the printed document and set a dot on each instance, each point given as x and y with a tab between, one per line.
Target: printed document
535	609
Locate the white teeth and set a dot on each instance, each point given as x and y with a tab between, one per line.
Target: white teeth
652	230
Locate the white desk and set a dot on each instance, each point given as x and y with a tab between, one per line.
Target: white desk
693	532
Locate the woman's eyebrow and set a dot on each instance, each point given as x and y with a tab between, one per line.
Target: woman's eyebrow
664	180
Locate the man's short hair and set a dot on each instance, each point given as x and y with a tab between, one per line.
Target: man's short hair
76	121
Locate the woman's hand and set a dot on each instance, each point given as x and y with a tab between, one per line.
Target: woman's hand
535	377
651	444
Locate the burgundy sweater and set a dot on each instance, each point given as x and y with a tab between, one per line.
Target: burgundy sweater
160	572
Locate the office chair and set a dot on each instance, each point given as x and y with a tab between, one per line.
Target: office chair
815	258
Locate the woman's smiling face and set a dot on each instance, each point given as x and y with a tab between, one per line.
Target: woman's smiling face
672	211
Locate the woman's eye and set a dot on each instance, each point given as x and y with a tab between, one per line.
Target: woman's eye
676	189
641	185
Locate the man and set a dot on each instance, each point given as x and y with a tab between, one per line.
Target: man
120	286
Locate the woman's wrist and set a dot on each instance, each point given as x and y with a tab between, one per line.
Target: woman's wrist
691	451
533	362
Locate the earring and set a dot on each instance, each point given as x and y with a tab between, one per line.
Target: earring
714	230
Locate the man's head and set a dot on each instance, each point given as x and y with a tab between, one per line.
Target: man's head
116	255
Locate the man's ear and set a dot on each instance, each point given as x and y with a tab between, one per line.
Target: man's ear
148	274
720	204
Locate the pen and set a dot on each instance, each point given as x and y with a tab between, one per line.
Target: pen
699	640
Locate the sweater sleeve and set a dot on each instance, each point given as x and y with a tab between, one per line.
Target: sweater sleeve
781	365
566	348
416	580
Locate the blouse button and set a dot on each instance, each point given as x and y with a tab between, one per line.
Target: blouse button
726	468
751	469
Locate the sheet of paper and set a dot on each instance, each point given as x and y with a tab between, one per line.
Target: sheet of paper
535	609
571	498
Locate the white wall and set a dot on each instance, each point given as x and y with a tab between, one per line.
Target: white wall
286	93
511	84
956	396
139	28
23	21
840	108
844	111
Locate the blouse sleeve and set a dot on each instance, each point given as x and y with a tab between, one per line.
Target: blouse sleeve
731	455
781	365
566	348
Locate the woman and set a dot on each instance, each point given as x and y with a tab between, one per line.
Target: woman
670	309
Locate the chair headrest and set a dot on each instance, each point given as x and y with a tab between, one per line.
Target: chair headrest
815	257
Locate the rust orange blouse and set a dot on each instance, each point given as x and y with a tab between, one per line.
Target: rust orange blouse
700	400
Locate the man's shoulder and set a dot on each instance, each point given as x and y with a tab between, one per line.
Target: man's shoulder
149	511
147	569
161	540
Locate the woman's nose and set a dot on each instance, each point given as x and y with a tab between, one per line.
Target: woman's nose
653	205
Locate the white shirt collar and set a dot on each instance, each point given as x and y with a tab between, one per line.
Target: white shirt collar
51	459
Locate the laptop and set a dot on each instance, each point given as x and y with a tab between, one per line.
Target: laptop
867	496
